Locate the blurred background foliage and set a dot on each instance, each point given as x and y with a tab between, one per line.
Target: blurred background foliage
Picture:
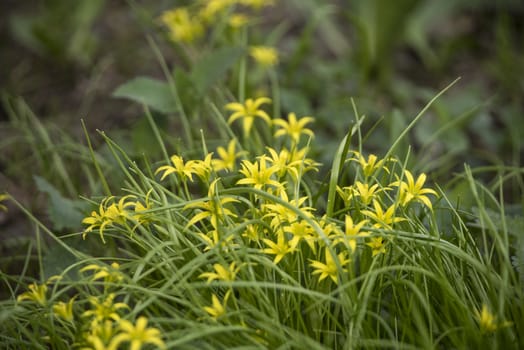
63	61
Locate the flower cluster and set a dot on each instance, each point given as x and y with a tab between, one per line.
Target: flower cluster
102	324
128	210
260	202
189	24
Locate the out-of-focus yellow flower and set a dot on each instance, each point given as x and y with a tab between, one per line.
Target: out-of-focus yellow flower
228	158
211	9
369	166
301	231
101	335
281	214
36	293
238	20
111	274
221	273
105	309
181	25
293	127
217	308
353	232
64	310
141	209
279	249
377	245
137	335
266	56
487	321
213	238
248	111
329	268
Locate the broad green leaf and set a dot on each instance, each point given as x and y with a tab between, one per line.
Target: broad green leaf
214	66
56	260
154	93
64	213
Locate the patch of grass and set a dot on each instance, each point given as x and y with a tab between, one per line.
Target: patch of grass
259	229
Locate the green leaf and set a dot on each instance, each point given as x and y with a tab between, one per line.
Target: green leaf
214	66
56	260
154	93
64	213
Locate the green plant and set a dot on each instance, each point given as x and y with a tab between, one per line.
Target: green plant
242	234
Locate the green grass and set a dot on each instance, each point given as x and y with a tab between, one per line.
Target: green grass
292	242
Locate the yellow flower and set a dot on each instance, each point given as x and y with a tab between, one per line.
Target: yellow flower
213	208
383	219
137	335
264	55
222	273
411	190
238	20
3	197
108	214
279	249
183	169
228	157
293	127
369	166
282	160
252	233
282	214
212	9
295	163
212	239
203	168
487	321
181	25
110	274
362	190
101	336
353	231
329	268
330	229
301	231
36	293
140	214
248	112
377	245
258	174
217	309
64	310
105	309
